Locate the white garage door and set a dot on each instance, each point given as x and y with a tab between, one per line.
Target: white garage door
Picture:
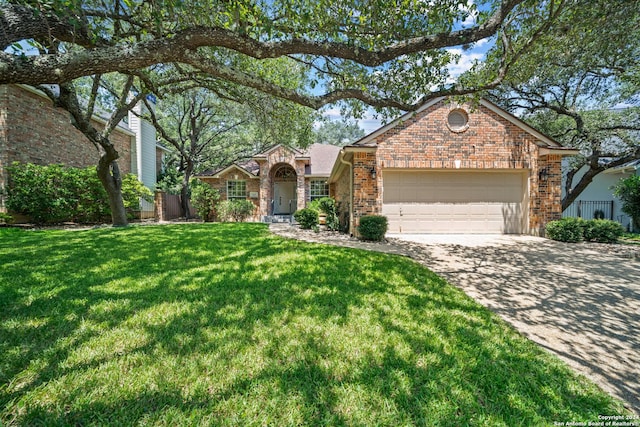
454	201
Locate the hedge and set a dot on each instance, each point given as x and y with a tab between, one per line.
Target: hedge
56	193
577	229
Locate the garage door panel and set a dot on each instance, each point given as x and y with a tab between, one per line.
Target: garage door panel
454	202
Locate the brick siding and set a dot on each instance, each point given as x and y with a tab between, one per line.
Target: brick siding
220	184
424	141
33	130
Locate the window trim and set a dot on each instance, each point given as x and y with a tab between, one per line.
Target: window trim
235	195
465	116
325	185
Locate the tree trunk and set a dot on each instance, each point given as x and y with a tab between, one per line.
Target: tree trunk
184	200
585	180
109	175
184	192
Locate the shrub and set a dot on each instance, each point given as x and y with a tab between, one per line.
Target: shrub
577	229
628	191
5	218
307	218
235	210
566	230
132	192
373	227
55	193
602	230
204	199
327	206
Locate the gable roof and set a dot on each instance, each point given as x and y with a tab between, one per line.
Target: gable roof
545	141
250	168
321	159
263	155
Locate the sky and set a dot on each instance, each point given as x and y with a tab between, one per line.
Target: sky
369	123
467	57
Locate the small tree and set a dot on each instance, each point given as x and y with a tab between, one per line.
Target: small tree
628	191
204	199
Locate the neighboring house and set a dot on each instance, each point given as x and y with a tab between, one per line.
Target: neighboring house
279	180
446	168
597	200
33	130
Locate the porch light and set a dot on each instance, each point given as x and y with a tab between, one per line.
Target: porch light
543	175
373	172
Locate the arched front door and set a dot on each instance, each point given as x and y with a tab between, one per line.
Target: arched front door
284	190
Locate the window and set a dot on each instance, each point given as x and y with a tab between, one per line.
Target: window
319	189
236	190
458	121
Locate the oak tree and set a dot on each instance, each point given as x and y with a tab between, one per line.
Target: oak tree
383	53
579	84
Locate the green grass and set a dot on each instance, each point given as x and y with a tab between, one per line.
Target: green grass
225	324
630	238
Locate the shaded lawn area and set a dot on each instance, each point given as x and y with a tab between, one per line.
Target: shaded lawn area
226	324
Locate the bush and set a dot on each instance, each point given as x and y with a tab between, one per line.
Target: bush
5	218
132	192
55	193
577	229
327	206
307	218
373	227
602	231
566	230
628	191
235	210
204	199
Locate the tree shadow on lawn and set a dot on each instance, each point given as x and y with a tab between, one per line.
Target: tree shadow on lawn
225	321
576	300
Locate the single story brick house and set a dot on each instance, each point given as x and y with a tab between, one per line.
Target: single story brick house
279	180
445	168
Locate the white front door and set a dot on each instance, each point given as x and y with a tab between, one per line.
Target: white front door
284	201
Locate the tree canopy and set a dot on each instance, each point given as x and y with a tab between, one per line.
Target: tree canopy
338	132
579	84
384	53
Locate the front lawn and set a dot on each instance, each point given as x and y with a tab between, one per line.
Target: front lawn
225	324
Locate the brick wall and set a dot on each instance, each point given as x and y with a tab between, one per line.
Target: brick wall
280	155
33	130
340	191
424	141
220	184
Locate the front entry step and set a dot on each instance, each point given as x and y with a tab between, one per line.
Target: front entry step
278	219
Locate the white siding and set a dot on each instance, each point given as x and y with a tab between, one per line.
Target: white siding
145	150
600	190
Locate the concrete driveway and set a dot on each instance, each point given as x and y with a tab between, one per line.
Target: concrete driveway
579	301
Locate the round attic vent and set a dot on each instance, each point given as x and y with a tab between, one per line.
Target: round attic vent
458	121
